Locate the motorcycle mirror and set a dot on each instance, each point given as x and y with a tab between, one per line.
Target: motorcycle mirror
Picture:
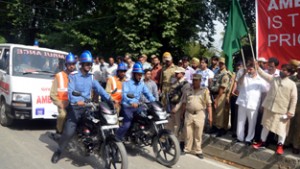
131	96
76	93
114	91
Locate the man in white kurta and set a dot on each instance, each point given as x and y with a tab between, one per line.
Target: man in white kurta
251	88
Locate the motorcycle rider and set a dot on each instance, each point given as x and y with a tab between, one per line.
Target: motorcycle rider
81	81
136	87
115	82
59	92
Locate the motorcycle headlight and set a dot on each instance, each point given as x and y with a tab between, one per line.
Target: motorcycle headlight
162	114
111	119
21	97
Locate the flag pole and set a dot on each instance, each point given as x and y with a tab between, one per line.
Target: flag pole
249	37
243	57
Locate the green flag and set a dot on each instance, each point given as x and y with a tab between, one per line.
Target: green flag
235	29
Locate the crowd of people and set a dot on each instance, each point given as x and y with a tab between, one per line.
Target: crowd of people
201	95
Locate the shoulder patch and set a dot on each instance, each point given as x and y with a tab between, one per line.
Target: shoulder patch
225	80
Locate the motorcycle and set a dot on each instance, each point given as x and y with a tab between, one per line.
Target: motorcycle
96	134
147	129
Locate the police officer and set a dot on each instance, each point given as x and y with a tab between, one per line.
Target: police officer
115	83
195	101
135	87
220	88
59	91
167	76
175	94
81	81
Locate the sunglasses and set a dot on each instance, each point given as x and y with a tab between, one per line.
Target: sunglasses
71	64
88	64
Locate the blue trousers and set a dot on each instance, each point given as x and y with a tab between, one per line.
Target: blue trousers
73	116
127	113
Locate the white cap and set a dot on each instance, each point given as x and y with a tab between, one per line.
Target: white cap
262	59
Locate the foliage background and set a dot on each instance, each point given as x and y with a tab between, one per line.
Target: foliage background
115	27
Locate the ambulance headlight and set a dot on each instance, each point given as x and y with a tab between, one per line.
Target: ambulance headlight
21	97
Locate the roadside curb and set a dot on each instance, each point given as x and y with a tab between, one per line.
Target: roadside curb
247	156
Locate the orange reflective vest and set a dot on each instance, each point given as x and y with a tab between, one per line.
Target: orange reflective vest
116	84
62	86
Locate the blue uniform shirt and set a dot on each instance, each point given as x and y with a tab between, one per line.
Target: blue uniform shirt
137	89
84	84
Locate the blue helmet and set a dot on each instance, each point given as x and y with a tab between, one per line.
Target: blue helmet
122	66
36	43
137	68
70	58
86	57
87	51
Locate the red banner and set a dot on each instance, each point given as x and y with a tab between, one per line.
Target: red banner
278	29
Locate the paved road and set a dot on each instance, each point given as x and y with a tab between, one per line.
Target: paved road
27	146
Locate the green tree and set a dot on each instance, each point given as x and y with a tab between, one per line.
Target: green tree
109	27
221	11
2	39
198	50
22	20
149	27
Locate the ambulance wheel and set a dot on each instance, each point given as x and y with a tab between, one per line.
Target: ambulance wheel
5	120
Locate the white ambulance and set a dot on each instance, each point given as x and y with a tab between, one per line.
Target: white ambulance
26	75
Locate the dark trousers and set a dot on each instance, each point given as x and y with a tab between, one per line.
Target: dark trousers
234	114
127	113
73	116
258	127
103	84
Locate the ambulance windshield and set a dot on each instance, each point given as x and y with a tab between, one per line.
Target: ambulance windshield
36	63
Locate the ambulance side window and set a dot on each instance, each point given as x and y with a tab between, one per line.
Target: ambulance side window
4	61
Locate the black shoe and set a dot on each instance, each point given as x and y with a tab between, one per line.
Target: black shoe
236	141
219	133
181	144
182	153
296	151
213	130
248	143
200	156
54	136
55	157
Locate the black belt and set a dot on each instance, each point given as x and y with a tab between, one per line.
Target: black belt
194	112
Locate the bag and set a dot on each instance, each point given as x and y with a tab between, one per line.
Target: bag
176	94
216	83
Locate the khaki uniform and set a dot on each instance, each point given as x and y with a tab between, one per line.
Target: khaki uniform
167	79
196	103
62	113
174	120
294	134
221	112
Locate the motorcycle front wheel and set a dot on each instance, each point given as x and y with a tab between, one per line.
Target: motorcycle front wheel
114	155
166	149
